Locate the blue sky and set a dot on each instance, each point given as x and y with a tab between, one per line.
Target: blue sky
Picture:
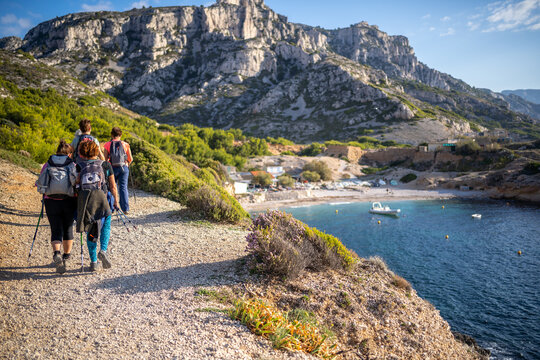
491	44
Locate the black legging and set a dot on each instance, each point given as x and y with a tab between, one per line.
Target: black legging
60	214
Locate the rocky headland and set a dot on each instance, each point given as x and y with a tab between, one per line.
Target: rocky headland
170	279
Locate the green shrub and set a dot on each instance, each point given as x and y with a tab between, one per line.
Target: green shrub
467	148
313	149
284	247
288	152
373	170
320	168
311	176
286	180
263	179
408	178
279	141
156	172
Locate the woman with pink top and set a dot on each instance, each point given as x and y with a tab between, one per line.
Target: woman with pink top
56	183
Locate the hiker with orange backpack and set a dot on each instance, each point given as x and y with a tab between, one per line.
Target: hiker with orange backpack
97	197
56	182
118	153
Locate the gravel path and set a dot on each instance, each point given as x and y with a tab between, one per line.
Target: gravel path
144	307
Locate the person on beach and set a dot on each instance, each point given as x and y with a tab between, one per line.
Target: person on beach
97	196
82	135
56	182
118	153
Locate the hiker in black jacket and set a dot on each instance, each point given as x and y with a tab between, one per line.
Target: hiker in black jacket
56	182
97	195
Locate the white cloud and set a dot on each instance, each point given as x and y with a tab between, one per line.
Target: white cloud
534	27
432	29
446	18
427	16
35	15
512	15
100	6
12	25
139	4
473	25
449	32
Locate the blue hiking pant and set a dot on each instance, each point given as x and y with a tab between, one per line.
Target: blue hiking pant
104	238
121	175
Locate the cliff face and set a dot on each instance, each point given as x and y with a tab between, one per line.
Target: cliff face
392	54
238	63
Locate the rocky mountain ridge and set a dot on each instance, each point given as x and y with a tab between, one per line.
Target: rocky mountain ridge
239	64
531	95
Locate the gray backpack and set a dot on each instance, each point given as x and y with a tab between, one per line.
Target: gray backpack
92	175
117	156
57	179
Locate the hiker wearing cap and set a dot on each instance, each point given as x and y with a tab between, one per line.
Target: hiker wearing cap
56	182
97	195
82	135
118	153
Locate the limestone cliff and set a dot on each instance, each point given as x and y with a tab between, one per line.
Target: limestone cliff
239	64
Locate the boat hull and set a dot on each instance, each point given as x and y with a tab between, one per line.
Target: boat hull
382	212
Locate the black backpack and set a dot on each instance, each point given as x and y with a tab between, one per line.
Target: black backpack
117	155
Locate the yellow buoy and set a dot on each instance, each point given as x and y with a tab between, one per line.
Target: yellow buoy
447	237
379	222
443	206
519	252
337	211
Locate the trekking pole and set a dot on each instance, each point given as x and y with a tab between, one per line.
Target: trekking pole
120	217
37	227
133	189
125	216
82	254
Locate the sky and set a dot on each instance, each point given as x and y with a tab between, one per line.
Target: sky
492	44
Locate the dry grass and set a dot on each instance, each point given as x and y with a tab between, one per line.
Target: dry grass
401	283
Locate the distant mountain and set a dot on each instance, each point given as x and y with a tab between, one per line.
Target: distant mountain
239	64
531	95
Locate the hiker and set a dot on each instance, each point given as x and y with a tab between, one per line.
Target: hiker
82	135
118	153
56	182
97	196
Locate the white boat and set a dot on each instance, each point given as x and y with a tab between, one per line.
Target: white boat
476	216
377	208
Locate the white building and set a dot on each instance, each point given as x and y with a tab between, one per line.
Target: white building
275	171
240	187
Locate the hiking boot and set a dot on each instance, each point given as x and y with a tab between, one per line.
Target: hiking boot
61	268
57	258
93	266
102	256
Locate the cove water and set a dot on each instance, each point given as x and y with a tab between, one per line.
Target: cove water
476	278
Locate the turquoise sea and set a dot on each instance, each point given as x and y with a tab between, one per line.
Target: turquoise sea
476	278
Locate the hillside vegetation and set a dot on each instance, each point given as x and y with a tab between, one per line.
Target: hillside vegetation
34	120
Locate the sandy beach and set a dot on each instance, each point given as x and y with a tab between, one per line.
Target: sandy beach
367	195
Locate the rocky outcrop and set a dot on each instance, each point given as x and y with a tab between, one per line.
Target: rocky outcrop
368	45
10	43
531	95
239	64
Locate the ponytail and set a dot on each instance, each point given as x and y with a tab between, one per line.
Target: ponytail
64	148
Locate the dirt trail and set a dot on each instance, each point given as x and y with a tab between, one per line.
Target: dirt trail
144	307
